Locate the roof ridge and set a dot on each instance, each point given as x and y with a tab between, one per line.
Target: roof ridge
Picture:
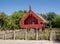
42	18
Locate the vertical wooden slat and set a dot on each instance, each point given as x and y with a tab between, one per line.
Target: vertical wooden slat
50	34
5	36
14	34
25	34
36	34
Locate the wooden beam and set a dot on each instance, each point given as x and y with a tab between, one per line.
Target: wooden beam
25	34
14	34
36	34
50	34
5	36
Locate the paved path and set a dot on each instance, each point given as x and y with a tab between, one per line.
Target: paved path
26	42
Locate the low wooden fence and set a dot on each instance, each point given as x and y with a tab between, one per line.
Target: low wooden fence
31	35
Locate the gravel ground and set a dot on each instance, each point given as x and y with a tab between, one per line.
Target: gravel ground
26	42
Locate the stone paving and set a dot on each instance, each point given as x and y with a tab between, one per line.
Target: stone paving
26	42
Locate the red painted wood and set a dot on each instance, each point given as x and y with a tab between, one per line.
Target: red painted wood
31	20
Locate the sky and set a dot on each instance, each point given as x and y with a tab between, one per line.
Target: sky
38	6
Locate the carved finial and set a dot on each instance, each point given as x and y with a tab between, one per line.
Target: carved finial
30	7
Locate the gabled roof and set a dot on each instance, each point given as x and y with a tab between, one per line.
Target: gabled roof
30	11
31	18
45	21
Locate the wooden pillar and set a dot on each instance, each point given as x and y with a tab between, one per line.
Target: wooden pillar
14	34
50	34
25	34
54	35
5	36
36	34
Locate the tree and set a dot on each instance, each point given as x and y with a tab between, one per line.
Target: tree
10	23
44	16
16	16
3	22
6	22
50	16
56	22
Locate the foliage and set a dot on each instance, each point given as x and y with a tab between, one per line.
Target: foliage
6	22
44	16
56	22
3	22
12	21
16	16
50	16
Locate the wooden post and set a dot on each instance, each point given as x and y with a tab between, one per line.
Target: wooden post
54	35
5	36
25	34
50	34
36	34
14	34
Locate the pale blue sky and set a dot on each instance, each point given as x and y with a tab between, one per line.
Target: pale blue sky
38	6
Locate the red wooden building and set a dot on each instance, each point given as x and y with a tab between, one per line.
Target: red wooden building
32	20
